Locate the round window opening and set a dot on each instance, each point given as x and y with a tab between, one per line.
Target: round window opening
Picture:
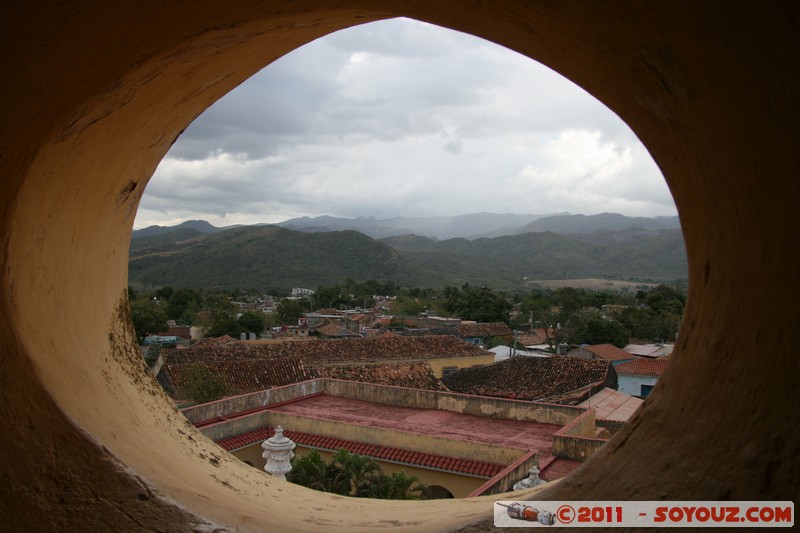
440	204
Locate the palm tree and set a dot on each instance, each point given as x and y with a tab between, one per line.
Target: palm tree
355	473
310	471
403	488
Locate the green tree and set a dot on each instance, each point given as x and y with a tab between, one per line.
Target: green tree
226	326
201	384
333	297
147	318
481	305
404	487
589	326
351	474
164	293
288	311
310	471
220	305
252	321
184	305
354	473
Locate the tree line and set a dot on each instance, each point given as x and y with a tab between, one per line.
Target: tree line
576	315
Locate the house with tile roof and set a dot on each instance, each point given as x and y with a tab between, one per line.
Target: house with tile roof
606	352
535	337
414	361
542	379
458	445
418	375
639	376
480	332
242	376
333	330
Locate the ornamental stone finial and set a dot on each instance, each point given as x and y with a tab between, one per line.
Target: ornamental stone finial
532	480
278	453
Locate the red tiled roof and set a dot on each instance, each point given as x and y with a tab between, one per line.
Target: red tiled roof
328	311
411	375
537	336
330	329
425	460
642	367
609	352
484	329
245	376
371	349
529	378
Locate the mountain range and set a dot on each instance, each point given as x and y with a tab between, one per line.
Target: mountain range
196	254
471	226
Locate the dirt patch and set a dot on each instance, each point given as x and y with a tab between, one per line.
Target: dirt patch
595	284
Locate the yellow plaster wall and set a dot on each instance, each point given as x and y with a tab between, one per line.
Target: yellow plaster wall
397	439
459	362
459	485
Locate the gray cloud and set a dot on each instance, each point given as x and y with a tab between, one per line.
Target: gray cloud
403	118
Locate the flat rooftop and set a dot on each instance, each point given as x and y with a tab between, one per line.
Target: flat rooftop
431	422
613	405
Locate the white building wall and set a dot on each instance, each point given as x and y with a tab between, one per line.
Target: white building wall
633	384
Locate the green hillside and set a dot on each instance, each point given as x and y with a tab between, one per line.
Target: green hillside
273	257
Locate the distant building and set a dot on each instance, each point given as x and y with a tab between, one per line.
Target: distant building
503	352
298	292
649	350
639	376
480	332
333	330
606	352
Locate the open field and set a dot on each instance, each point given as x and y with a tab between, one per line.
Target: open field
590	283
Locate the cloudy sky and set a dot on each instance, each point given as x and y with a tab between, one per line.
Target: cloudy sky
401	118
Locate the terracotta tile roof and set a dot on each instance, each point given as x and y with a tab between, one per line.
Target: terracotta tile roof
484	329
609	352
411	375
333	330
642	367
254	367
425	460
361	350
225	340
328	311
531	378
537	336
244	376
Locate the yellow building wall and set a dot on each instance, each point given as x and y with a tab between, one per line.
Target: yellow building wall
459	362
397	439
460	486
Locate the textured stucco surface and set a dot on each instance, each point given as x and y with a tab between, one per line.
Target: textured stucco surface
93	97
